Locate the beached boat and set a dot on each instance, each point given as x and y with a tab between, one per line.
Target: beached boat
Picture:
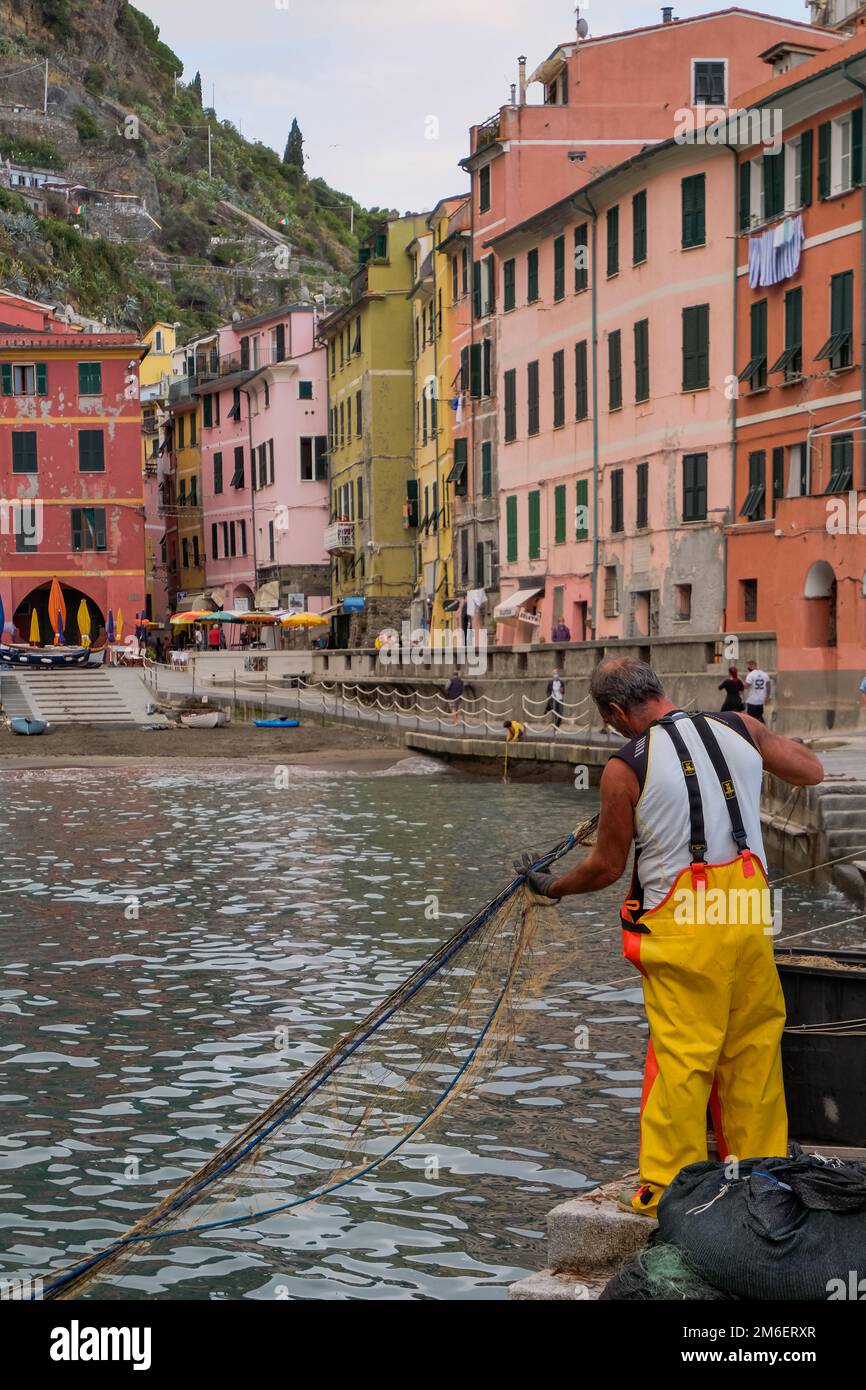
207	719
43	657
28	726
277	723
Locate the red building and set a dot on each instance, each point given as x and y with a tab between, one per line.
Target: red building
796	550
70	469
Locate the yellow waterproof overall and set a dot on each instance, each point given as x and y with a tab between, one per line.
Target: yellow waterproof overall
713	1001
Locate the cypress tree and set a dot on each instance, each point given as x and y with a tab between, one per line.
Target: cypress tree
294	153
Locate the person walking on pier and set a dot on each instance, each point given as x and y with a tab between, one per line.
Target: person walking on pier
757	690
733	688
686	789
555	698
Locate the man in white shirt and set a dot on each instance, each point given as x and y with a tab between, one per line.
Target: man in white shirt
757	691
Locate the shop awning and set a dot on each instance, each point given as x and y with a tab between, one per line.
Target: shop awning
268	595
510	609
194	603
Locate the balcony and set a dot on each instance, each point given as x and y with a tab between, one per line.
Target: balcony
340	538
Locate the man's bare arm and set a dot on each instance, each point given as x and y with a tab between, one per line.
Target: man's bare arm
784	757
607	859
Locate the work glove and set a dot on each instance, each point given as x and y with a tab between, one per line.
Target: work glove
538	881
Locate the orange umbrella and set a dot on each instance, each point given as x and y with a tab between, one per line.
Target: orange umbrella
56	606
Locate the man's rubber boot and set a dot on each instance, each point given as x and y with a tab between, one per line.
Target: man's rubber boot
644	1201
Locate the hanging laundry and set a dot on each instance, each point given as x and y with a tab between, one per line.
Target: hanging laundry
775	256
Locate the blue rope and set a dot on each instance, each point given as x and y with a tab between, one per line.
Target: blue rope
406	992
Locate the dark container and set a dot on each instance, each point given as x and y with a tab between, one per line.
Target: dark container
824	1045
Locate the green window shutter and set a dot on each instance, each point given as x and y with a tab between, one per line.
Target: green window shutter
613	240
806	168
475	370
559	268
510	387
486	469
745	196
641	360
534	525
532	276
90	378
511	528
581	515
614	367
857	145
476	289
509	297
6	371
841	302
99	528
91	451
693	211
778	476
581	390
559	509
773	175
41	379
638	227
558	389
696	347
207	411
532	398
581	257
824	136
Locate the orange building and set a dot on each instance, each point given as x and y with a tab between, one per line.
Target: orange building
796	560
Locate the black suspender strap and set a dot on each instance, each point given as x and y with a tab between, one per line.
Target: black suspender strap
698	839
717	758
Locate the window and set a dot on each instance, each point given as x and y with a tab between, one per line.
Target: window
558	389
214	541
696	347
193	434
185	552
511	529
356	343
642	497
90	378
242	538
798	471
509	291
343	423
464	271
486	468
534	506
532	398
581	385
773	179
753	506
841	463
638	227
791	360
840	154
24	379
613	241
278	343
694	487
484	189
581	509
233	540
755	370
709	82
305	390
581	258
26	529
455	281
486	370
359	414
272	542
193	490
559	504
838	348
778	476
380	247
509	382
207	412
475	370
559	268
694	210
24	451
683	610
749	600
611	592
614	370
180	432
360	491
217	474
617	522
531	276
91	451
88	528
238	475
225	531
641	360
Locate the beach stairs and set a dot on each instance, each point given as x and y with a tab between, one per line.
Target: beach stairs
91	695
842	816
13	699
588	1238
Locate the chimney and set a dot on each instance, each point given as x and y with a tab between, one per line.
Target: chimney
667	14
521	80
514	94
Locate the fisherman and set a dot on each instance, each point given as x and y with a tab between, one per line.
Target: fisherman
686	788
514	731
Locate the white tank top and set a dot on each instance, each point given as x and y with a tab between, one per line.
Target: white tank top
662	828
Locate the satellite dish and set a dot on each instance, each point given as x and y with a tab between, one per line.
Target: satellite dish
582	28
305	294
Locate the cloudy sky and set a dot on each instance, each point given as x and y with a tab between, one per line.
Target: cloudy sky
364	76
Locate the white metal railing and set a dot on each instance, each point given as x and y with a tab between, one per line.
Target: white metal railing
340	535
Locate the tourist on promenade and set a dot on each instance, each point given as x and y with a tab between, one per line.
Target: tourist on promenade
561	632
757	691
555	698
213	638
453	694
733	688
686	789
199	637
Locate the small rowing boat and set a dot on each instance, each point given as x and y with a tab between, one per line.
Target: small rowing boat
207	719
28	726
44	657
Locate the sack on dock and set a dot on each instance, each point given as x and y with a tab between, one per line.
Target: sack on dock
660	1272
780	1228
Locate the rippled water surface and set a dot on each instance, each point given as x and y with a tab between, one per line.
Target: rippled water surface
156	928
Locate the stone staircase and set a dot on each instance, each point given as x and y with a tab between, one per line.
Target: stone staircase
842	815
13	699
89	695
589	1237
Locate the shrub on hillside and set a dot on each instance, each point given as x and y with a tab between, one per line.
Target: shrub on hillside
85	124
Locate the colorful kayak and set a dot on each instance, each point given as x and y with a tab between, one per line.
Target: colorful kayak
28	726
277	723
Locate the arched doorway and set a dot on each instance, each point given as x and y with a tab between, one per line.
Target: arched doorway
37	600
820	592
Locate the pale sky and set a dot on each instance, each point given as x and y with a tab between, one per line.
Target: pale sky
364	76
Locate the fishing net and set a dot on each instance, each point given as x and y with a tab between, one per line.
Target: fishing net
660	1272
448	1025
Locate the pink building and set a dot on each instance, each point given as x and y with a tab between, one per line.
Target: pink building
264	455
615	427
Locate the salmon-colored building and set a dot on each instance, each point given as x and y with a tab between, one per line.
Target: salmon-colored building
796	549
71	503
605	99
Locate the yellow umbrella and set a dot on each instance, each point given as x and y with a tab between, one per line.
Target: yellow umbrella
118	626
304	620
35	635
84	623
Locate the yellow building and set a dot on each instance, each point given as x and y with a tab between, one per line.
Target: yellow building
435	386
371	538
154	379
182	502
